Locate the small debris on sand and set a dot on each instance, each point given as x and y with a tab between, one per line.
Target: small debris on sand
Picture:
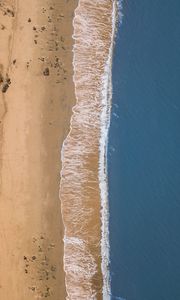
41	58
40	249
1	79
10	12
49	19
6	85
46	72
8	80
29	20
53	268
2	27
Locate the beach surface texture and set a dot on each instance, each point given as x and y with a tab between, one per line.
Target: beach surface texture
36	99
55	102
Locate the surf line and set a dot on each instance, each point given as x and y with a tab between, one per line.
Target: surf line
83	184
105	124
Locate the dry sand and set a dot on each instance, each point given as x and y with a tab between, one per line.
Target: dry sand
36	98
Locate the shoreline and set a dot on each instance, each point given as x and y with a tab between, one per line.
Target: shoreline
35	118
84	166
103	174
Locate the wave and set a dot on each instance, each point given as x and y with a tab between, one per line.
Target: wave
83	185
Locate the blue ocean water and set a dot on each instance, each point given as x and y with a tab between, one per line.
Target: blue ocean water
144	153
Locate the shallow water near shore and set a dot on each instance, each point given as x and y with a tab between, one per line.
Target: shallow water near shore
83	186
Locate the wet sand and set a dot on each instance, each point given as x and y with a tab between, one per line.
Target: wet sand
83	188
36	98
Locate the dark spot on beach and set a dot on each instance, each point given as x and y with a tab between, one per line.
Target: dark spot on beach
5	88
8	80
29	20
1	79
10	12
53	268
14	61
40	249
41	58
33	257
46	72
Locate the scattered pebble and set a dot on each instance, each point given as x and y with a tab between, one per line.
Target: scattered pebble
6	84
46	72
1	79
10	12
2	27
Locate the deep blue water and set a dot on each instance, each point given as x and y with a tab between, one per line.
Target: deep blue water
144	153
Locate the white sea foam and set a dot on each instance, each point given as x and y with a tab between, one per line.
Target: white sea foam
83	183
105	122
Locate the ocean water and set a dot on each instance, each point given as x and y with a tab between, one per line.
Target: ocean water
144	153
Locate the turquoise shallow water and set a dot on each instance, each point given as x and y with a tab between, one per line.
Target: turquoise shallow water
144	153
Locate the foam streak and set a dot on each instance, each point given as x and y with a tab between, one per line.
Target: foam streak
83	186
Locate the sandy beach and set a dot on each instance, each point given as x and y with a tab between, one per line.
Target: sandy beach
36	98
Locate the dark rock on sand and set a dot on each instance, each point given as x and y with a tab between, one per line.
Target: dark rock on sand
5	87
46	72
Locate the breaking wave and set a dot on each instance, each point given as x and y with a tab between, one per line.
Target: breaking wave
83	185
